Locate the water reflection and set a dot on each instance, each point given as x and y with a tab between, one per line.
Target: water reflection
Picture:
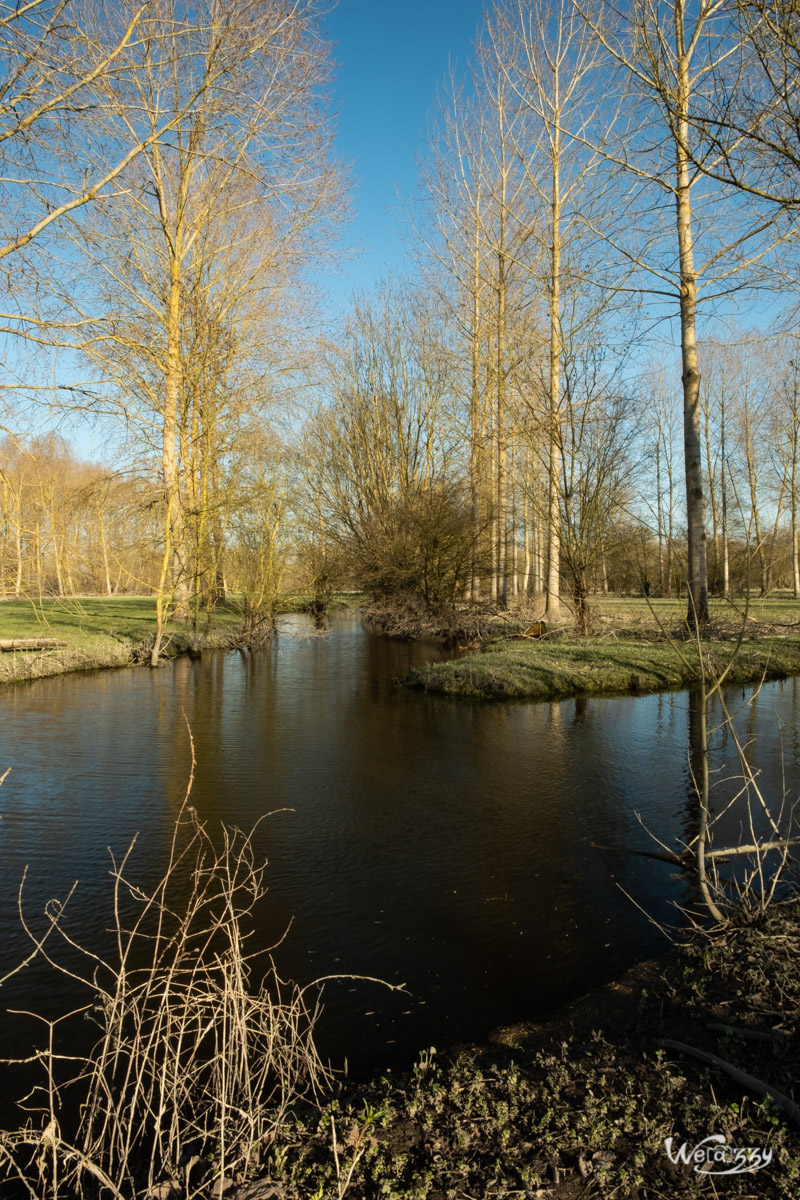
745	728
445	845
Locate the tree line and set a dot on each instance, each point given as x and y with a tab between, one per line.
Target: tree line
507	423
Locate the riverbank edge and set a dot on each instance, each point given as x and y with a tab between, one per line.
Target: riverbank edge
107	651
584	667
581	1103
110	653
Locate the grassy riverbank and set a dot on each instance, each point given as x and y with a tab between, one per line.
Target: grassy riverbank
107	631
112	631
582	1105
629	653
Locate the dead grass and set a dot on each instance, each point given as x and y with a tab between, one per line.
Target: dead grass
201	1049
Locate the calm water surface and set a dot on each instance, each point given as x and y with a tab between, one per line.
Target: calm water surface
442	844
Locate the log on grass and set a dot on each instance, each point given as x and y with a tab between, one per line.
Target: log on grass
30	643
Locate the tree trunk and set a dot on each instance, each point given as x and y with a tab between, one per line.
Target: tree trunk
659	517
795	554
580	598
18	548
752	483
712	495
553	603
723	483
501	415
33	643
104	548
56	553
690	376
528	570
476	426
169	458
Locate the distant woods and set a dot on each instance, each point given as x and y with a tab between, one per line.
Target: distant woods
571	388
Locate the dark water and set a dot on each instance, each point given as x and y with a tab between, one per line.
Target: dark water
437	843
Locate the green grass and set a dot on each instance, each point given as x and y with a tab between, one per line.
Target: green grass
111	631
628	652
542	670
99	632
79	621
635	611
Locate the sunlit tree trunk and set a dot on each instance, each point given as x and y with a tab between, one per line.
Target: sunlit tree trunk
670	51
527	574
752	484
178	585
794	439
477	411
726	573
501	415
712	490
549	61
553	603
101	528
690	374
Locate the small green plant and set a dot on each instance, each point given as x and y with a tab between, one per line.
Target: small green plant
358	1141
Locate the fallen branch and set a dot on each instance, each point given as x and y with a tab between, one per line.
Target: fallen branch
687	857
755	848
676	860
30	643
786	1106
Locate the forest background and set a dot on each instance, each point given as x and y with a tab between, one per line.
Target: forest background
584	380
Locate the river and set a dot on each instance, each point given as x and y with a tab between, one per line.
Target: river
443	844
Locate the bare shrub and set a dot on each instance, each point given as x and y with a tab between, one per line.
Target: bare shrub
416	550
199	1055
738	882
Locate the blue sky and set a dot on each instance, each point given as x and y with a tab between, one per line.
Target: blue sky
391	55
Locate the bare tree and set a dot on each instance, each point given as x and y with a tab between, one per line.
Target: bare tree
596	435
665	465
479	231
747	415
749	111
789	455
666	54
453	237
385	455
68	526
197	257
549	59
61	63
